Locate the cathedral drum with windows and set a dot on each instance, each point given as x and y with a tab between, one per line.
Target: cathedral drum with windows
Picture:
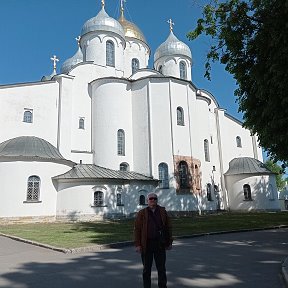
120	130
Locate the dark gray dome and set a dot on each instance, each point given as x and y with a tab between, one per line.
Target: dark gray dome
29	147
247	165
48	77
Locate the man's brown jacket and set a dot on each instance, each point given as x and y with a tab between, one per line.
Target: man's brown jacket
141	226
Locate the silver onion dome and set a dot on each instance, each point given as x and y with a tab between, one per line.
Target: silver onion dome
71	62
172	46
103	22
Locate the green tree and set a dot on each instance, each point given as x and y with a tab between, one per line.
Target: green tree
251	39
277	169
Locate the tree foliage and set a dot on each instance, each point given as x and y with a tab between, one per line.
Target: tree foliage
277	169
251	39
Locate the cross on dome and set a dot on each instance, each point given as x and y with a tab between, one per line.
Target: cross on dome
78	40
122	7
55	60
122	4
171	23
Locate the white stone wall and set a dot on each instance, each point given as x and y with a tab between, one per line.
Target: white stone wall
41	98
260	192
13	178
170	66
141	128
76	200
111	111
94	49
135	49
229	130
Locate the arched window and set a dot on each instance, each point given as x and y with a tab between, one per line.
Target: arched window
160	69
163	175
28	116
110	53
183	174
121	142
98	198
180	116
81	123
135	65
247	192
124	166
119	196
238	141
183	70
119	199
33	188
206	150
142	200
209	192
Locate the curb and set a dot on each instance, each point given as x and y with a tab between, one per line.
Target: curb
285	270
230	231
63	250
93	248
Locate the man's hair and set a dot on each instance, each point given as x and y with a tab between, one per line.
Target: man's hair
152	194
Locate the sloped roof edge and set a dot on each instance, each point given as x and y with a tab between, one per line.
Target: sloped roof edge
90	171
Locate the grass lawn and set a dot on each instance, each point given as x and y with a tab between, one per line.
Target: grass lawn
82	234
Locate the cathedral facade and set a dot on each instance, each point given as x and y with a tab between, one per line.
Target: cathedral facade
92	141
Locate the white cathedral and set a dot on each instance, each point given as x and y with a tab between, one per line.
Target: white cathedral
93	141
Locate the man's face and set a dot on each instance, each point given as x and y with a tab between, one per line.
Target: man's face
152	201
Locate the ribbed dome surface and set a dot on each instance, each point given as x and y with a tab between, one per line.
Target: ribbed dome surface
71	62
131	30
247	165
172	46
103	22
29	146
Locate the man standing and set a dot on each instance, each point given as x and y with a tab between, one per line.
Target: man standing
153	236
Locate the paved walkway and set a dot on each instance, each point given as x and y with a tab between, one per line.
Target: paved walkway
246	259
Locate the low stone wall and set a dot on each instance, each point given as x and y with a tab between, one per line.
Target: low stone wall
26	220
91	218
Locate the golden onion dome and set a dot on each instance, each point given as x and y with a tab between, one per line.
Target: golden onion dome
131	30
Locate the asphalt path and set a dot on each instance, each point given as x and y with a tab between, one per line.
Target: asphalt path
246	259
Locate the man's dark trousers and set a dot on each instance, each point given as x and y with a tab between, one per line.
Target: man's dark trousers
154	250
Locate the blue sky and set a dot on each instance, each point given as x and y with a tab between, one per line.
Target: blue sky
32	31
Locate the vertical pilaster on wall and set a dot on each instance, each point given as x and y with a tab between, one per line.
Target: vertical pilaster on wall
254	145
189	120
171	120
149	130
224	190
64	114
